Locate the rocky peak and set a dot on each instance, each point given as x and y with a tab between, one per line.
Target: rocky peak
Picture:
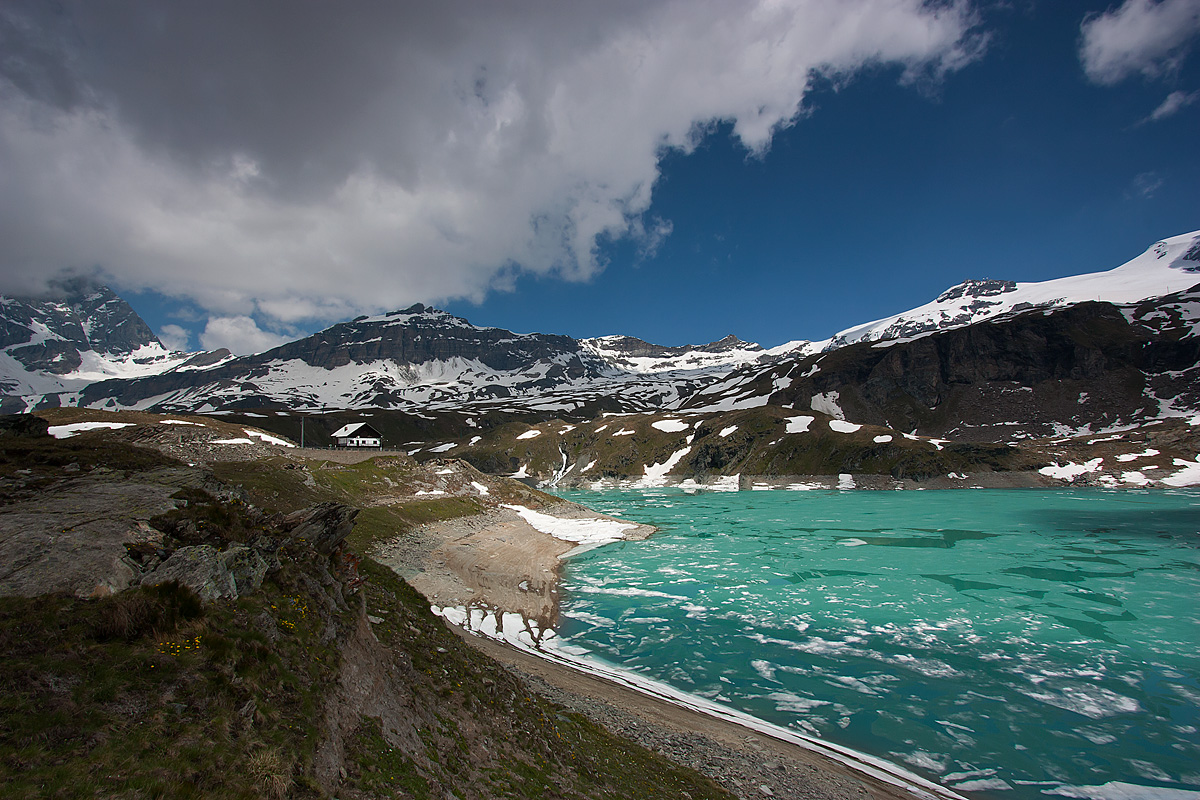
975	288
48	333
727	344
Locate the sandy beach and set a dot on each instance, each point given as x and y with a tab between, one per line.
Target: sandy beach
499	561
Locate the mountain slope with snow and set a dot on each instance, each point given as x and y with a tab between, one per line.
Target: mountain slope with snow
84	334
1124	340
1168	266
634	355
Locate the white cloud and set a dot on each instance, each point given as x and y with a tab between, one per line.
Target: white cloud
175	337
1173	103
421	152
1145	184
240	335
1141	37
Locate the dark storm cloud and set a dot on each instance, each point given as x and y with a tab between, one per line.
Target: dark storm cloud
310	160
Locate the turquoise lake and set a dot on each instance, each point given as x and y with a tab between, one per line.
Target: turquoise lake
1006	643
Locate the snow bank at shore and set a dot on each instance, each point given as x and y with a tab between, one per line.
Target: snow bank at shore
528	636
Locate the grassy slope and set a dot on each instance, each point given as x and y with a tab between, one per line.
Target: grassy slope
758	445
145	694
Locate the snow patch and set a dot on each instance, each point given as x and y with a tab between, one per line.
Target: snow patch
592	530
669	425
726	431
656	474
841	426
798	424
827	403
1188	476
533	434
67	431
268	438
1070	471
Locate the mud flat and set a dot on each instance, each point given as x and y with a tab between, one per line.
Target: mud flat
500	560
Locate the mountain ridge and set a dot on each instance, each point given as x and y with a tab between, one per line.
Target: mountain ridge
423	359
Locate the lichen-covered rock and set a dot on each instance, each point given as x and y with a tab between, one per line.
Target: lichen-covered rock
323	526
200	568
246	566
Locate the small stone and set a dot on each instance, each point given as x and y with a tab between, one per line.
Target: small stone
765	791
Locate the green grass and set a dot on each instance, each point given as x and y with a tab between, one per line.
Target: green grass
142	695
149	694
381	523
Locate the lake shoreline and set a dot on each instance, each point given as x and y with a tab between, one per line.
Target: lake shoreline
498	561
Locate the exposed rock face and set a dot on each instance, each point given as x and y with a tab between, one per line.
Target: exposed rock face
213	574
76	539
1030	370
973	288
325	526
50	334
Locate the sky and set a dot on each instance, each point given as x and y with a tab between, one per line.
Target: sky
676	170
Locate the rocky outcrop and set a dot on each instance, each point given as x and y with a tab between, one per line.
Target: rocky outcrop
97	535
212	574
76	539
1078	365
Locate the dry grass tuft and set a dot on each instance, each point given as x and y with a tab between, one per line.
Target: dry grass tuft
271	768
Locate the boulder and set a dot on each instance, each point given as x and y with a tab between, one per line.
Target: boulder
201	569
323	526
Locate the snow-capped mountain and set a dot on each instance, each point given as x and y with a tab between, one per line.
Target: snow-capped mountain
1168	266
1124	340
634	355
84	334
424	359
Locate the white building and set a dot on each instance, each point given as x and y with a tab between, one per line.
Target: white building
357	434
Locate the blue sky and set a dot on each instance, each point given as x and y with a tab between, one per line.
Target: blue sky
670	170
1017	167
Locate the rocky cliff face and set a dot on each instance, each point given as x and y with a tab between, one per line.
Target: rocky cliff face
1033	374
50	334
